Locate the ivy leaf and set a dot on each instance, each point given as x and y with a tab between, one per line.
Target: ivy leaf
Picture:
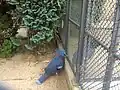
15	41
42	17
50	38
13	2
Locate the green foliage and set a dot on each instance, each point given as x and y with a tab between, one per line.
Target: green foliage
6	49
15	41
6	30
42	17
9	46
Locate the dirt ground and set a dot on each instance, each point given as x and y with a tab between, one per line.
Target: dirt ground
22	70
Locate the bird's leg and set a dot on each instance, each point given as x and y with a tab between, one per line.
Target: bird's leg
42	70
57	73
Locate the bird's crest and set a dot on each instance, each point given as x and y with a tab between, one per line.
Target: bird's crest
60	52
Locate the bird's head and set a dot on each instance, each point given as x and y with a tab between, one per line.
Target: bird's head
60	52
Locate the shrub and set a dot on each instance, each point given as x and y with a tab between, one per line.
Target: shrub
6	29
7	48
42	17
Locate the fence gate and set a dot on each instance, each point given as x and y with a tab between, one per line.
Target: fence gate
99	46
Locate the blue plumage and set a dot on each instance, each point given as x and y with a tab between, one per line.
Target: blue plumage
56	65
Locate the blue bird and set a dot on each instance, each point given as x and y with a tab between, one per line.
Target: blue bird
55	66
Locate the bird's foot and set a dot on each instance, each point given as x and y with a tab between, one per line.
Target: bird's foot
42	70
57	74
38	82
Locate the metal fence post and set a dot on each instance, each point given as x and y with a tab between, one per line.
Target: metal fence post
67	25
81	40
111	59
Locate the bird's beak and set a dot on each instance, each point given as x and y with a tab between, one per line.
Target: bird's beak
65	55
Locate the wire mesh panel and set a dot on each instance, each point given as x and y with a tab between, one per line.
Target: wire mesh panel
63	31
73	44
100	66
73	31
75	11
95	64
100	20
70	32
92	29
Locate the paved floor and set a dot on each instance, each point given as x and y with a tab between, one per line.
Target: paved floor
22	70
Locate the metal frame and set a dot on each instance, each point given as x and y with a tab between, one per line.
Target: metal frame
111	59
84	41
81	40
66	24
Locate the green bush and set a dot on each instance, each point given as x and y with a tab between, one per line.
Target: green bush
6	29
42	17
7	48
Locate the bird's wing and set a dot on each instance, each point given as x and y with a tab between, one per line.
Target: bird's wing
59	67
54	65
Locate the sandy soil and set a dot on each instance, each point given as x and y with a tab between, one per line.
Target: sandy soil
22	70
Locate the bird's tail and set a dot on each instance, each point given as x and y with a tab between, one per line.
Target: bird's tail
42	79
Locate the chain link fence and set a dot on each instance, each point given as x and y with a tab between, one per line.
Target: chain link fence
100	66
93	43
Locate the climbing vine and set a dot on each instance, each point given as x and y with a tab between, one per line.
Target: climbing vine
42	17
